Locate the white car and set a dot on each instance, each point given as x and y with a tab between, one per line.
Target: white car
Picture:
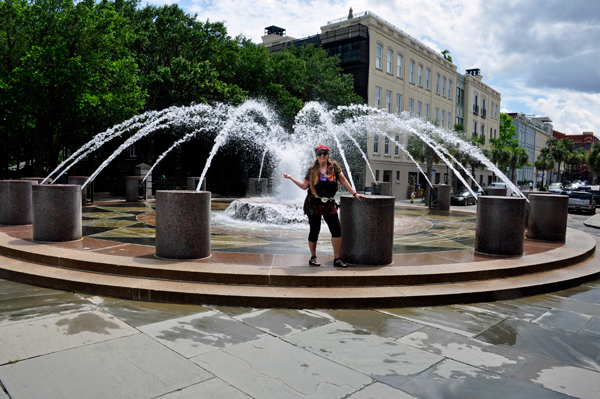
555	188
509	191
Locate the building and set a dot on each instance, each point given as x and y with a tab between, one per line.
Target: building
395	72
585	140
533	134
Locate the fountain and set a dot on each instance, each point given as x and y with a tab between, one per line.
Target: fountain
372	229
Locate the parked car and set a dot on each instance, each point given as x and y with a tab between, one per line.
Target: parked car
596	194
556	188
462	197
509	191
582	201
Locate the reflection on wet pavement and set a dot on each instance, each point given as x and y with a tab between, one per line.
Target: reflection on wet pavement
524	348
416	231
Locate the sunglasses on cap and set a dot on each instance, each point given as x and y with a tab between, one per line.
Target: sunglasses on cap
324	153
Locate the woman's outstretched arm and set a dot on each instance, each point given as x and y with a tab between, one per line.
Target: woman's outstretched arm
303	185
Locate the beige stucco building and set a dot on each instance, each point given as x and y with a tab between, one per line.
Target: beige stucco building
396	72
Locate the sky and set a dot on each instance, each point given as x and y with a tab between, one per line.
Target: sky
543	56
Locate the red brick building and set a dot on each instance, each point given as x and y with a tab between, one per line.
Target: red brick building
585	140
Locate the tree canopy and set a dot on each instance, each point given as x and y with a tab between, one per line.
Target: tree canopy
71	69
505	150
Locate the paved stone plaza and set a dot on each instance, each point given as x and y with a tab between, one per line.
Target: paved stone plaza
56	344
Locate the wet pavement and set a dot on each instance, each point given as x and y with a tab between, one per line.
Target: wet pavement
56	344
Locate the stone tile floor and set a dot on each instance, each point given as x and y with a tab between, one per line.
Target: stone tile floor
56	344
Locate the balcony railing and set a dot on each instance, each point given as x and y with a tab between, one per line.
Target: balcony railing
476	109
483	112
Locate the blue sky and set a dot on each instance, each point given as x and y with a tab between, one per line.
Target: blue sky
543	56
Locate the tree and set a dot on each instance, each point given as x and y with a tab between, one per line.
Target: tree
578	158
71	73
545	162
505	149
593	159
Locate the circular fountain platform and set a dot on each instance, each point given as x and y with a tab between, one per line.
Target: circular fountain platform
239	273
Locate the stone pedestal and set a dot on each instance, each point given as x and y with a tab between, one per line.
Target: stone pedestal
527	206
132	188
182	224
80	180
367	230
547	218
381	188
495	191
443	197
56	212
39	180
257	187
192	184
500	228
15	202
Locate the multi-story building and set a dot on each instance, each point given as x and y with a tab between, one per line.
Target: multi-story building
395	72
481	114
533	134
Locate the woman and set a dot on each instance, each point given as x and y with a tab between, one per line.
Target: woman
322	178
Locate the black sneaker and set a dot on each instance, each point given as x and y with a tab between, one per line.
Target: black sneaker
338	262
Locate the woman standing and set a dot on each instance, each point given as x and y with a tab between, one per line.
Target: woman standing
322	178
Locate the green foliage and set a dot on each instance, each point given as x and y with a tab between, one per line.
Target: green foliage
70	69
505	151
545	162
593	159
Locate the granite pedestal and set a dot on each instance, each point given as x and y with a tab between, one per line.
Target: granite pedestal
56	212
182	224
496	191
257	187
381	188
443	197
500	227
39	180
192	184
367	230
15	202
80	180
132	184
547	218
527	206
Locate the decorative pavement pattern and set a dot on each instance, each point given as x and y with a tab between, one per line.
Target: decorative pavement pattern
416	231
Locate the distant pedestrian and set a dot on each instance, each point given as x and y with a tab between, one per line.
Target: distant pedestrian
530	186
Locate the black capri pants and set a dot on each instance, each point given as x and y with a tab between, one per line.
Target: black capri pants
332	220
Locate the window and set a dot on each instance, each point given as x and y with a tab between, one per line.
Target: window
379	55
397	151
444	88
388	99
483	107
378	97
428	79
443	118
491	131
411	76
376	175
389	61
419	108
450	89
587	146
437	114
399	66
411	106
398	104
482	130
495	132
386	145
397	175
475	129
420	82
376	143
437	84
449	121
132	153
426	112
